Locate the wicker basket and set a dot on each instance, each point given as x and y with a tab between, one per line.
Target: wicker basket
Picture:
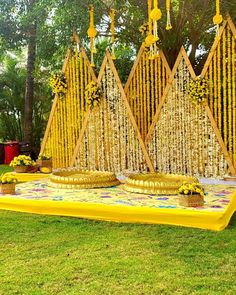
8	188
20	169
195	200
44	163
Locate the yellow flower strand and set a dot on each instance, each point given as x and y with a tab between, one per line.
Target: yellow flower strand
234	98
92	33
219	85
215	88
225	89
217	19
229	91
168	23
112	28
148	89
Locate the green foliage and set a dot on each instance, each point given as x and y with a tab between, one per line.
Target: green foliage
57	19
12	86
59	255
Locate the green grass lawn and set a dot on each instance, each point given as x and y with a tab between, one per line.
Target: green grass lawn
59	255
5	168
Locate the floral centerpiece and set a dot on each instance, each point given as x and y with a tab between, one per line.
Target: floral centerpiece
58	84
198	90
8	184
191	195
45	163
93	94
22	163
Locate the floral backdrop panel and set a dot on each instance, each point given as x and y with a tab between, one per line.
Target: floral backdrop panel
221	75
110	140
183	140
145	87
69	110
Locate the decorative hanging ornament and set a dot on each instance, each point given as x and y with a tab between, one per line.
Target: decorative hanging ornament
92	33
168	23
152	38
218	18
112	28
155	16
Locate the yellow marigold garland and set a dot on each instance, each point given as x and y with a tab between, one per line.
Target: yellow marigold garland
198	90
168	23
218	18
93	94
58	84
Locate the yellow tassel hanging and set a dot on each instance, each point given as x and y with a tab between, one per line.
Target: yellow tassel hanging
155	15
217	19
92	33
112	28
168	23
151	39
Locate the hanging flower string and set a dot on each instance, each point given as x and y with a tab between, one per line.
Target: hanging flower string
112	28
152	38
198	90
58	84
92	33
93	94
168	23
217	19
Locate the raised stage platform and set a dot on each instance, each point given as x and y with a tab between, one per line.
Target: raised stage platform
115	204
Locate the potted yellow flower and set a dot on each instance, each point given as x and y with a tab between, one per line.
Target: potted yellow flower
191	194
44	162
22	163
7	184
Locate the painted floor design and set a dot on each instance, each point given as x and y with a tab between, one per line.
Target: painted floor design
217	197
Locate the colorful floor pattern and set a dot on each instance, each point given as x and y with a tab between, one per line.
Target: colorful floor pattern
115	204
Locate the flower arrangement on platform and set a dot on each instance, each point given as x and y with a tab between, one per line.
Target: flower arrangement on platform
198	90
191	188
58	84
21	163
191	194
7	183
44	157
93	94
45	163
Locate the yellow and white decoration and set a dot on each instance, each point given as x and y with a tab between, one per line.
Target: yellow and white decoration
219	70
111	140
67	115
145	87
181	139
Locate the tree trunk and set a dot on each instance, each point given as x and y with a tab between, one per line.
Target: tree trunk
29	87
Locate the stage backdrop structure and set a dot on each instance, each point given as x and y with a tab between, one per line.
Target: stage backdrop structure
145	87
219	70
68	112
184	138
110	139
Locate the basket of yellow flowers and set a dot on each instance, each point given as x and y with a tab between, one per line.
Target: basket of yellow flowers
191	195
22	163
7	184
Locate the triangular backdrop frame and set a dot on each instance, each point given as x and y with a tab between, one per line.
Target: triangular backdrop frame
67	114
160	139
116	146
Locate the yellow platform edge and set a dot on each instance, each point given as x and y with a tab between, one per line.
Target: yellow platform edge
27	177
180	217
